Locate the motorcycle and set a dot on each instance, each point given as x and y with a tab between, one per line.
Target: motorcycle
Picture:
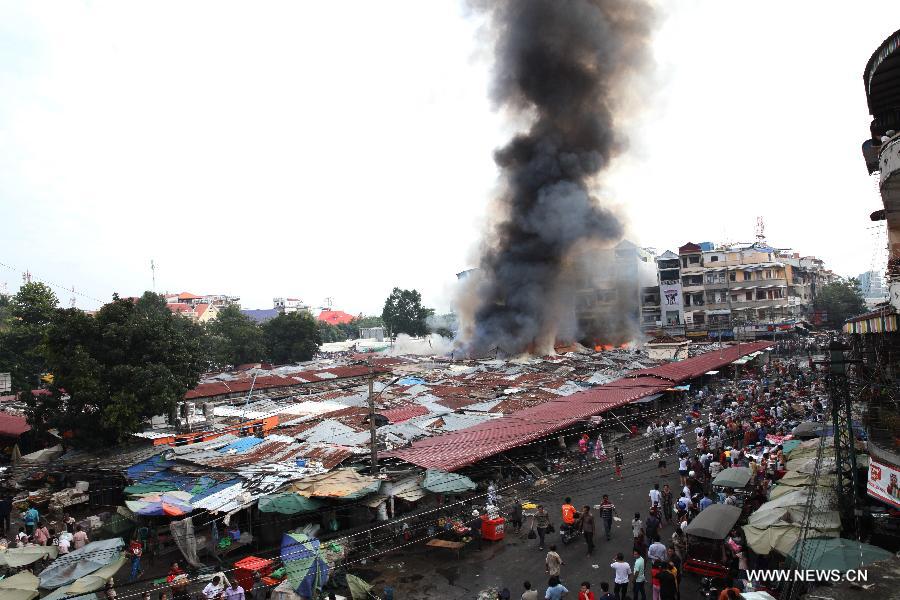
707	590
568	533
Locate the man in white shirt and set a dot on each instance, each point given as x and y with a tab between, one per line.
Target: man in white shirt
623	574
213	588
655	496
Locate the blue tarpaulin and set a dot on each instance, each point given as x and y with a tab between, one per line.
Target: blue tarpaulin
410	381
241	445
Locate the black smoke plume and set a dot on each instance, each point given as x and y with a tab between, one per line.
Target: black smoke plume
560	65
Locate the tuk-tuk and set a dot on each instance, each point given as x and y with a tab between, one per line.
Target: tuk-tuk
706	552
738	479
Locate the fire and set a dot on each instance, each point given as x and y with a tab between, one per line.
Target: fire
602	347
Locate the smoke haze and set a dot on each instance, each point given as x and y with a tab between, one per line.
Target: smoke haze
560	65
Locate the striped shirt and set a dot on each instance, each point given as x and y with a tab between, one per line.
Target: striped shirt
606	509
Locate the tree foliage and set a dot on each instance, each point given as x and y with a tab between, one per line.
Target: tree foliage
403	313
841	300
112	371
233	338
331	333
27	316
291	337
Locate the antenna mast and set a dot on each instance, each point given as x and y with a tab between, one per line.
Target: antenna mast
760	230
153	271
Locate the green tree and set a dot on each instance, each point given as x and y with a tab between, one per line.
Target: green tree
292	337
331	333
840	300
113	371
28	315
233	338
403	313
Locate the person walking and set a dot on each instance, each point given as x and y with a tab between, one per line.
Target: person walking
586	523
79	538
5	510
607	510
620	461
553	562
622	576
555	590
136	550
668	588
542	524
515	515
31	518
585	592
667	502
652	526
638	577
655	497
528	594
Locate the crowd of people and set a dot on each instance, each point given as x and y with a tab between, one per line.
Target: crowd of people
736	423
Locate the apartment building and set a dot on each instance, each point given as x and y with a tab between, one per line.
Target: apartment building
707	290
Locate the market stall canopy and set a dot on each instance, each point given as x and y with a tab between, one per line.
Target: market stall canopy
714	522
442	482
827	520
808	429
810	466
835	554
306	570
61	594
341	483
733	477
173	504
21	586
289	503
79	563
26	555
799	498
783	536
789	445
90	583
41	456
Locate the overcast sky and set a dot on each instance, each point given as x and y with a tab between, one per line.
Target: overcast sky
339	149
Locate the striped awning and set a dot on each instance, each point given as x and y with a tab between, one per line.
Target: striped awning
883	323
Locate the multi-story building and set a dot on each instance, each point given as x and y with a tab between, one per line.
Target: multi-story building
871	284
290	305
707	290
876	335
609	291
217	300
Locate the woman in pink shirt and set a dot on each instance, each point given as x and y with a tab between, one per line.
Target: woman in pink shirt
80	538
41	534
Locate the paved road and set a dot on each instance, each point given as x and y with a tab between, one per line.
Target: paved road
423	573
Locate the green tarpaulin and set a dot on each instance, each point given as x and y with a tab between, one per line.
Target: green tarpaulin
150	488
359	589
734	477
441	482
288	504
835	554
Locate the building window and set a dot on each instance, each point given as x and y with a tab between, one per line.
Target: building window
732	276
699	318
672	317
694	260
761	295
713	259
748	295
684	261
734	297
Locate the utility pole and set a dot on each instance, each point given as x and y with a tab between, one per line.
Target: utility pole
373	448
844	436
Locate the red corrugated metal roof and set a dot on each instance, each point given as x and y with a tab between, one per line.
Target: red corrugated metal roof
208	390
13	425
335	317
403	413
467	446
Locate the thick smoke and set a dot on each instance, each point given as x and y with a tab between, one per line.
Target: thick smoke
561	66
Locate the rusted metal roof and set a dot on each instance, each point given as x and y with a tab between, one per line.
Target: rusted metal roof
467	446
402	413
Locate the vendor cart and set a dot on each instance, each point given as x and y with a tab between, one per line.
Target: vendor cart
707	554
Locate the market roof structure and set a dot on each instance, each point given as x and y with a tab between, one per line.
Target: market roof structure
458	449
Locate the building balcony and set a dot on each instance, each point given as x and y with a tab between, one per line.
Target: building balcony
697	287
756	284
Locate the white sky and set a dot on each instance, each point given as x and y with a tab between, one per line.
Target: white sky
343	148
